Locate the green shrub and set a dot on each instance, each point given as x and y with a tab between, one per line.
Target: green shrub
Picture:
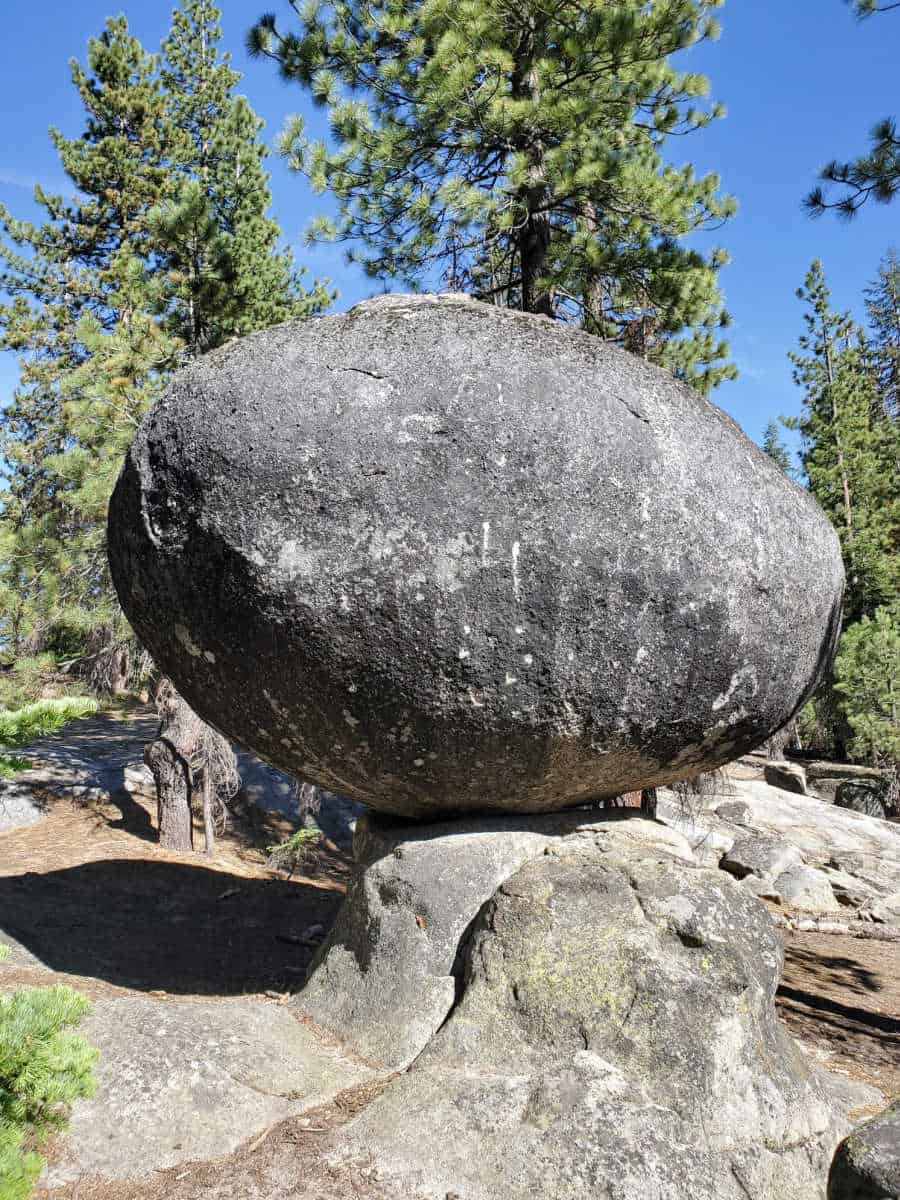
44	1067
22	725
24	682
287	856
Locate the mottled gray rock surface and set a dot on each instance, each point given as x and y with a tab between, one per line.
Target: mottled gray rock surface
18	805
384	982
867	1163
183	1080
615	1036
858	855
760	855
439	556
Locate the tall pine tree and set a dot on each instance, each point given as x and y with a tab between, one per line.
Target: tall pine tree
848	453
515	151
165	250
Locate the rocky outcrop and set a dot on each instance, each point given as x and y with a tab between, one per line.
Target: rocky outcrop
825	779
613	1034
442	557
807	853
387	977
181	1080
790	777
867	1163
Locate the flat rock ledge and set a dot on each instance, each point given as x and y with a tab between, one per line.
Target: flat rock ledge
184	1080
581	1009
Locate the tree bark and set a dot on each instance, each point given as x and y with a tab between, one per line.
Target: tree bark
209	825
187	751
172	776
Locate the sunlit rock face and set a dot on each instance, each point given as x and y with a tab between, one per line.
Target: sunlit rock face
443	557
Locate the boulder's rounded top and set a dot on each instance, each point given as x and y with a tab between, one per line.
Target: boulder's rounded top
442	557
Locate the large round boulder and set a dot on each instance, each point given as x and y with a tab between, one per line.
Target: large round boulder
442	557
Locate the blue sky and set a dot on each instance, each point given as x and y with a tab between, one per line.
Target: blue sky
802	81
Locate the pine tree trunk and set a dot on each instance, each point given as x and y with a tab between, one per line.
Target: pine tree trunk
209	827
171	774
534	242
534	236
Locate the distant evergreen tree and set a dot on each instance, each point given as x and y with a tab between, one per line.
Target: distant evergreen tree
166	250
774	446
515	151
848	454
867	674
883	307
64	277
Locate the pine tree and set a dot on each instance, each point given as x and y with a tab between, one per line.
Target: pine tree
873	176
226	274
883	307
848	454
166	250
63	276
774	446
515	151
867	671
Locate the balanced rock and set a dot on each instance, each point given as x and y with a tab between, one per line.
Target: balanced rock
441	557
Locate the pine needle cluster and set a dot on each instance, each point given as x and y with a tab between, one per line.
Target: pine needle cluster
515	151
44	1067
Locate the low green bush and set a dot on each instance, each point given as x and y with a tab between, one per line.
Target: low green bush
44	1067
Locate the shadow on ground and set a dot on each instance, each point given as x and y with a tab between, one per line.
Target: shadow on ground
168	926
842	994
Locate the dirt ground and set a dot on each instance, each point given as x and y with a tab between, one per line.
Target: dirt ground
841	996
89	893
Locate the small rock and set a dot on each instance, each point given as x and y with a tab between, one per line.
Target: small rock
18	806
765	857
734	810
866	1164
764	889
806	887
887	911
860	796
790	777
825	778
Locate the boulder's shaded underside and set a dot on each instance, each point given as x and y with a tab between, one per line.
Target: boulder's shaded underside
442	557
